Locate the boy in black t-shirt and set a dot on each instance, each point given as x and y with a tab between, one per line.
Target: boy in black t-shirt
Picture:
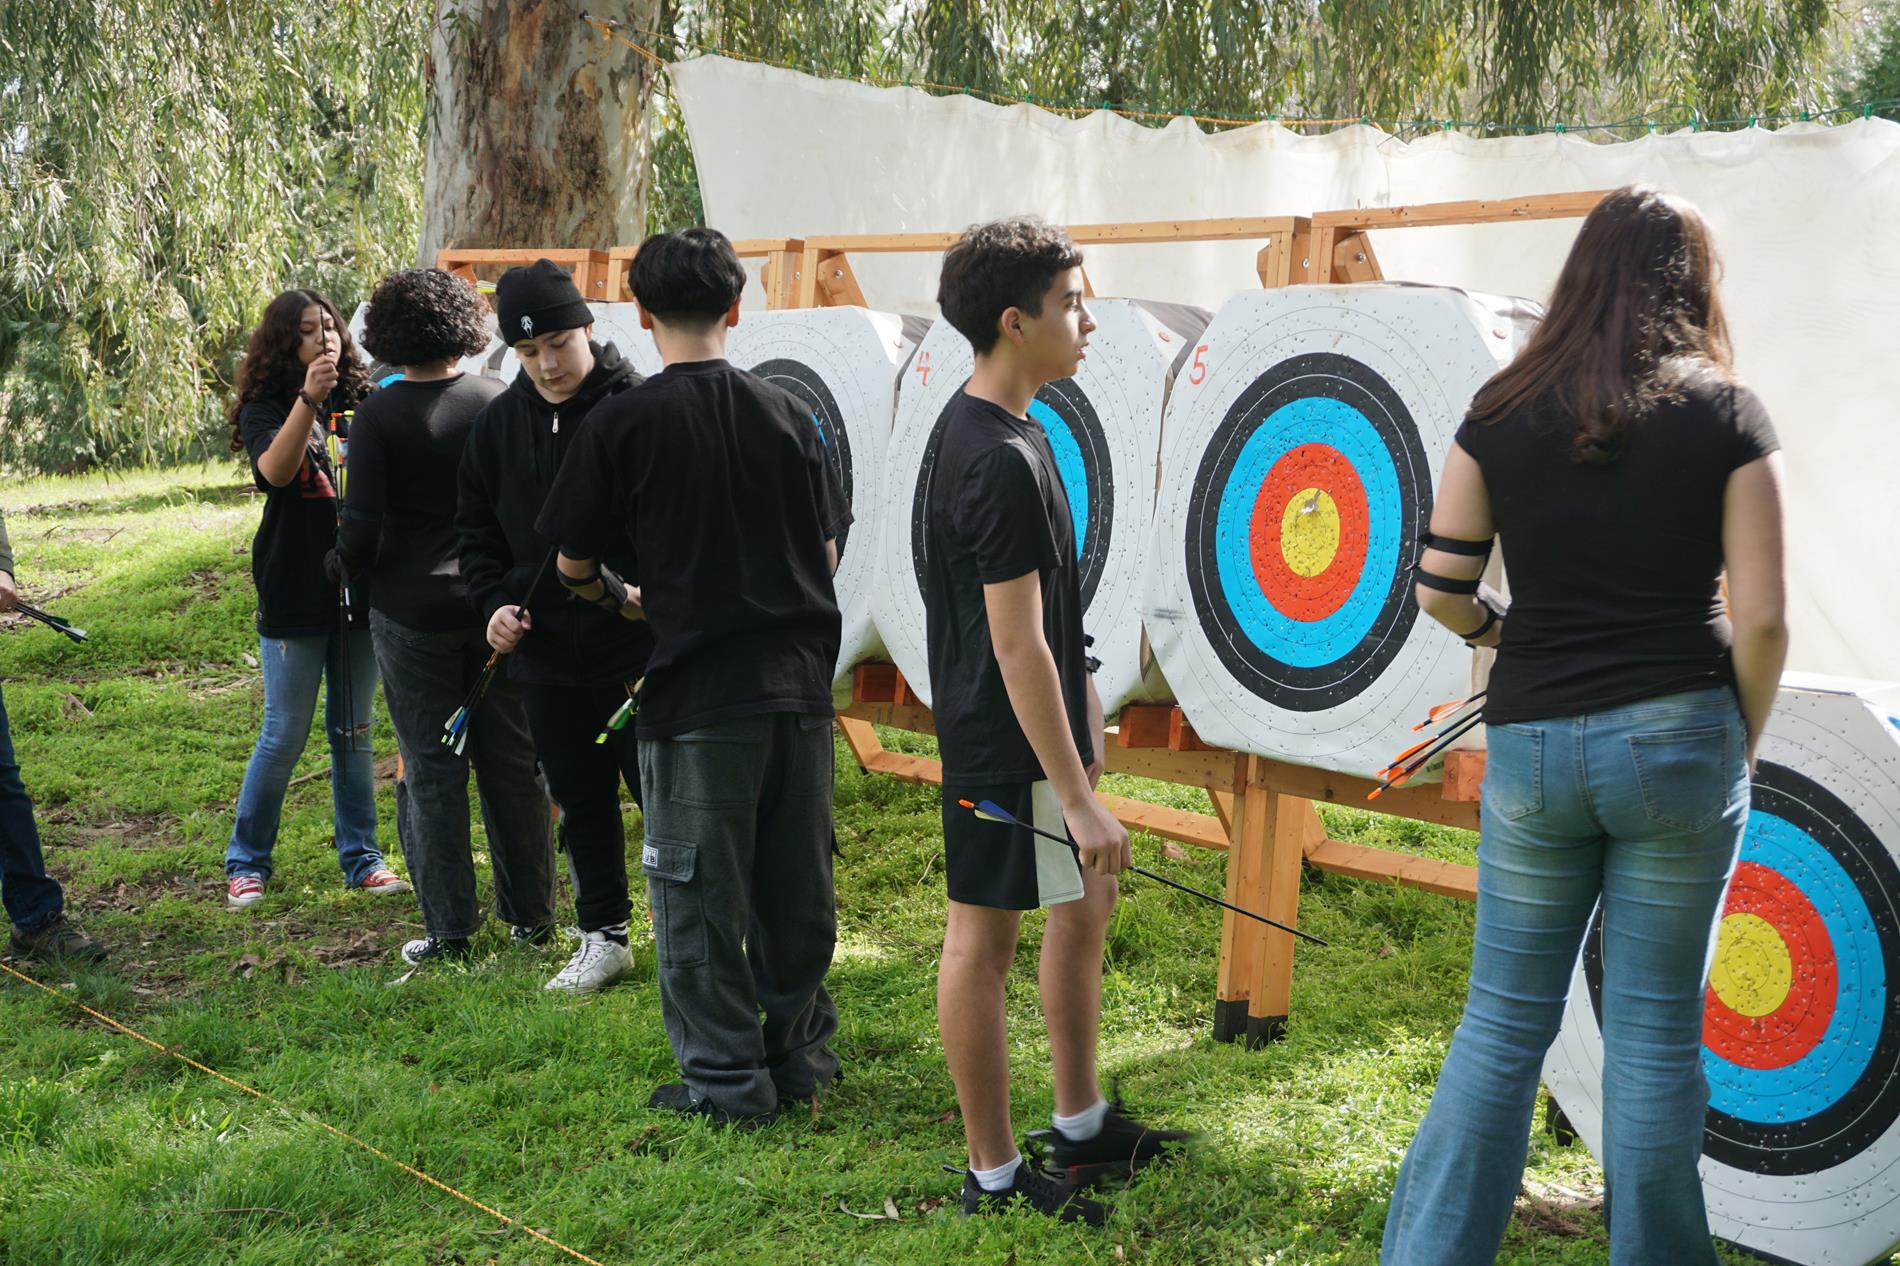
721	480
1019	722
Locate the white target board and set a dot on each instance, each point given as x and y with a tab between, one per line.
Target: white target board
1801	1035
1304	438
1104	427
842	364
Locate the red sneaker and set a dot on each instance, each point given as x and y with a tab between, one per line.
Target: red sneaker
244	890
384	880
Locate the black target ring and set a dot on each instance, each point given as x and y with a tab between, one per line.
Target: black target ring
799	379
1318	376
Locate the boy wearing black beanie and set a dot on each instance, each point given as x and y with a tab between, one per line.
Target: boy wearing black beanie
574	664
722	482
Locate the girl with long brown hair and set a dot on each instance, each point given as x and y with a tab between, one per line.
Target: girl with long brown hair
1623	470
300	369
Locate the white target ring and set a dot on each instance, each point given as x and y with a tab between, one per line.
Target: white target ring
1801	1151
1103	426
841	363
1304	439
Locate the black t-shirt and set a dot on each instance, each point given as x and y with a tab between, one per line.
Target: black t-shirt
398	537
721	480
294	597
998	510
1614	569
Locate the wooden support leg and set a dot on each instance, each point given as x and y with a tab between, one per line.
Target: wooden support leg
1270	836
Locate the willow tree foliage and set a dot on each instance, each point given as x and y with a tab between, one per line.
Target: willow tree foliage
166	165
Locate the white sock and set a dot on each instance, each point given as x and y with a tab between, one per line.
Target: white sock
1001	1177
1085	1124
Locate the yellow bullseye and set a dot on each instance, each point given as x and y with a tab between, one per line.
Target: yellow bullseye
1309	532
1753	969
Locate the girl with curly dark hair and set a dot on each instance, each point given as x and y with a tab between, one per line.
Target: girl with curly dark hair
300	369
399	539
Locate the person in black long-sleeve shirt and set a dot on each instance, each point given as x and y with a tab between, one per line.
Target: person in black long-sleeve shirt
397	541
576	665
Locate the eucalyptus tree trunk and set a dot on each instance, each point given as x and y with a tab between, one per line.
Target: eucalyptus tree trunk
536	126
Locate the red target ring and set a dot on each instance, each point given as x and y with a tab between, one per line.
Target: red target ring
1804	1004
1328	487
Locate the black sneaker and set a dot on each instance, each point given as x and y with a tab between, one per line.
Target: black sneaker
677	1097
1123	1147
537	935
55	938
435	949
1035	1189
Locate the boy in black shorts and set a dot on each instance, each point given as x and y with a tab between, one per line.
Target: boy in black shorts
721	480
1019	722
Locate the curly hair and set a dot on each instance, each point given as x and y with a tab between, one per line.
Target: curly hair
270	368
997	266
423	315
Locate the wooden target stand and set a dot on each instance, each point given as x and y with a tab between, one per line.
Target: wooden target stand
1265	811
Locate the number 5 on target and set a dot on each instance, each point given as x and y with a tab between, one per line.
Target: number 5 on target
1197	368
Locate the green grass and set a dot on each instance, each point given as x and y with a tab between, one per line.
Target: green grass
111	1152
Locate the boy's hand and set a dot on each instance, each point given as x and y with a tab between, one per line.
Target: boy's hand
1101	842
506	627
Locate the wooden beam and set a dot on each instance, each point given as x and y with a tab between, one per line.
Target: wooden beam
1281	261
1548	206
835	284
1362	862
1143	725
1464	775
1353	259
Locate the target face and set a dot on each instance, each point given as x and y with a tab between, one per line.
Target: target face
1304	439
1801	1040
1103	427
1074	431
802	381
1309	505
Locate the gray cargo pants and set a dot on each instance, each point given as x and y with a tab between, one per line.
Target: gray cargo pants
738	866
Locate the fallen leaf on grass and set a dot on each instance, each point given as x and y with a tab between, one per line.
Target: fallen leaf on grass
1173	852
250	659
244	965
890	1213
931	1205
945	1118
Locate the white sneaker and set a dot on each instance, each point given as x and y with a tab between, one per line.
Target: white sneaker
598	962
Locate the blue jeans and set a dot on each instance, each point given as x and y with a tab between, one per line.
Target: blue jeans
1643	806
292	668
31	897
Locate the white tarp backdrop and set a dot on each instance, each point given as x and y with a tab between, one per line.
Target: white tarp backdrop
1805	219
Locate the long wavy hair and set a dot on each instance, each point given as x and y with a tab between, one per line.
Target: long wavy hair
1634	317
270	368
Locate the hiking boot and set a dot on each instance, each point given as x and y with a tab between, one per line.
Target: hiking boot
434	949
384	881
678	1097
1122	1148
537	935
599	962
1032	1188
55	938
244	891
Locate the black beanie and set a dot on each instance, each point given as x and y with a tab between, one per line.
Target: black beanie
539	298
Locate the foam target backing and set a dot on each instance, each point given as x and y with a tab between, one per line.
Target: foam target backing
841	364
1801	1035
1104	427
1304	437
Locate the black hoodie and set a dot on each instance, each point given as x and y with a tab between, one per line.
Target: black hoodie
515	449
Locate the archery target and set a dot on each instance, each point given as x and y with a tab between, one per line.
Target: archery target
841	364
1304	438
1801	1039
1104	428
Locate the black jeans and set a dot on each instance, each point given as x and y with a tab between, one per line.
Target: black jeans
425	677
32	898
584	777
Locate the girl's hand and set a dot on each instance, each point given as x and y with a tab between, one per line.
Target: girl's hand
320	377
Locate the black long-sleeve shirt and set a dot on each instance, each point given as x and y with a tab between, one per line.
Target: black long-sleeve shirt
398	523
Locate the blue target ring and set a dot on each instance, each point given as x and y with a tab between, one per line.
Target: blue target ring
1070	465
1308	420
1841	1057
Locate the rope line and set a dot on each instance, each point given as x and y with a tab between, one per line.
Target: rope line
377	1152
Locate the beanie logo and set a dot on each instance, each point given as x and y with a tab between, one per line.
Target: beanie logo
527	325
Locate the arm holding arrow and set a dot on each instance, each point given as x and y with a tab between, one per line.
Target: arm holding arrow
1014	610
